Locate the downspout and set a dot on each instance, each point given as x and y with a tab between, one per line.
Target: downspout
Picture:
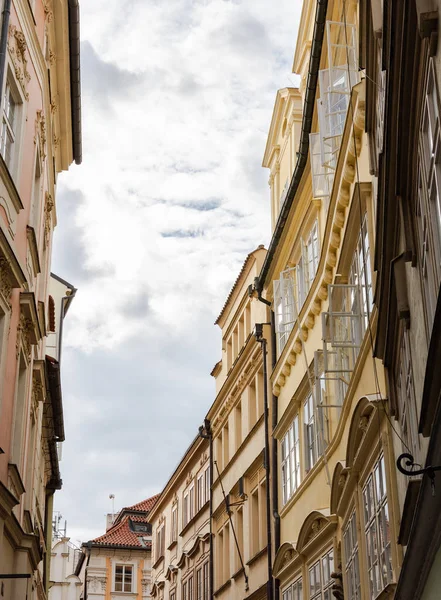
274	446
75	78
4	40
206	432
263	342
308	113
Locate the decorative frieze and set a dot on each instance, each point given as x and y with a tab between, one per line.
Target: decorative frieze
48	12
48	207
17	48
5	281
40	134
24	337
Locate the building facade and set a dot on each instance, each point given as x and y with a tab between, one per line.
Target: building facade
40	137
117	564
401	51
240	490
65	584
337	508
181	530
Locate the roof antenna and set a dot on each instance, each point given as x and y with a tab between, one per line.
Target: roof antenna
112	497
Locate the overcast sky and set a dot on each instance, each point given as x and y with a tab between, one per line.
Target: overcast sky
153	228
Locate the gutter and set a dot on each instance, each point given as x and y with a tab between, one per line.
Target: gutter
302	155
75	78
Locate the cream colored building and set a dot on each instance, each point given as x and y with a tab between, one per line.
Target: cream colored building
240	482
65	584
181	530
117	564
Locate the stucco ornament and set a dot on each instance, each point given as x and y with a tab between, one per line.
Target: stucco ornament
145	586
5	283
337	586
49	205
363	423
17	49
24	335
92	583
48	12
287	557
40	132
315	528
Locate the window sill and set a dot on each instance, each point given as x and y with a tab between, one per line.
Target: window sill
257	556
222	588
388	592
238	573
172	545
158	562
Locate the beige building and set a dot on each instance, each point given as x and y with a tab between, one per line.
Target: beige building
65	584
181	530
240	479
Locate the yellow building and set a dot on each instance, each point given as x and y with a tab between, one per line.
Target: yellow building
337	501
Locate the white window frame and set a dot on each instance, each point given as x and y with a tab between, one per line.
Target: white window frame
406	400
174	522
320	571
17	130
290	455
376	515
294	591
352	559
312	445
125	566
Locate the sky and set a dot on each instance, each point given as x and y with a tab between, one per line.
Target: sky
154	226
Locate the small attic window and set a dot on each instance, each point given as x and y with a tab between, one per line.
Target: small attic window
285	123
51	310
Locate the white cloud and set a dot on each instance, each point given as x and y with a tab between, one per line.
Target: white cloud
154	226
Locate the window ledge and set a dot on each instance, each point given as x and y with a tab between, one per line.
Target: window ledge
172	545
238	573
157	562
257	556
222	588
388	592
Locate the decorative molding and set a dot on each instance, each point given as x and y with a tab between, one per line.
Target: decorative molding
17	48
40	132
5	281
48	12
24	337
48	207
52	58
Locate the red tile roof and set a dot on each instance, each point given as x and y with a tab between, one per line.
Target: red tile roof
120	534
145	505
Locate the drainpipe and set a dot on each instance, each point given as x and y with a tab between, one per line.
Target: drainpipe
274	447
258	333
4	40
205	432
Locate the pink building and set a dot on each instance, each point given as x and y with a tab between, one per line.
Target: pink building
40	136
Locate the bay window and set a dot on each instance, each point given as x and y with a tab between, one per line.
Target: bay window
352	567
294	591
320	581
291	461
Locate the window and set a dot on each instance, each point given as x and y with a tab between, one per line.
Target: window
200	491
160	541
352	569
294	591
377	530
9	125
185	591
203	488
311	433
406	396
361	274
188	506
190	588
124	578
199	585
320	581
174	523
19	410
291	461
173	596
311	255
428	206
257	509
36	193
206	581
